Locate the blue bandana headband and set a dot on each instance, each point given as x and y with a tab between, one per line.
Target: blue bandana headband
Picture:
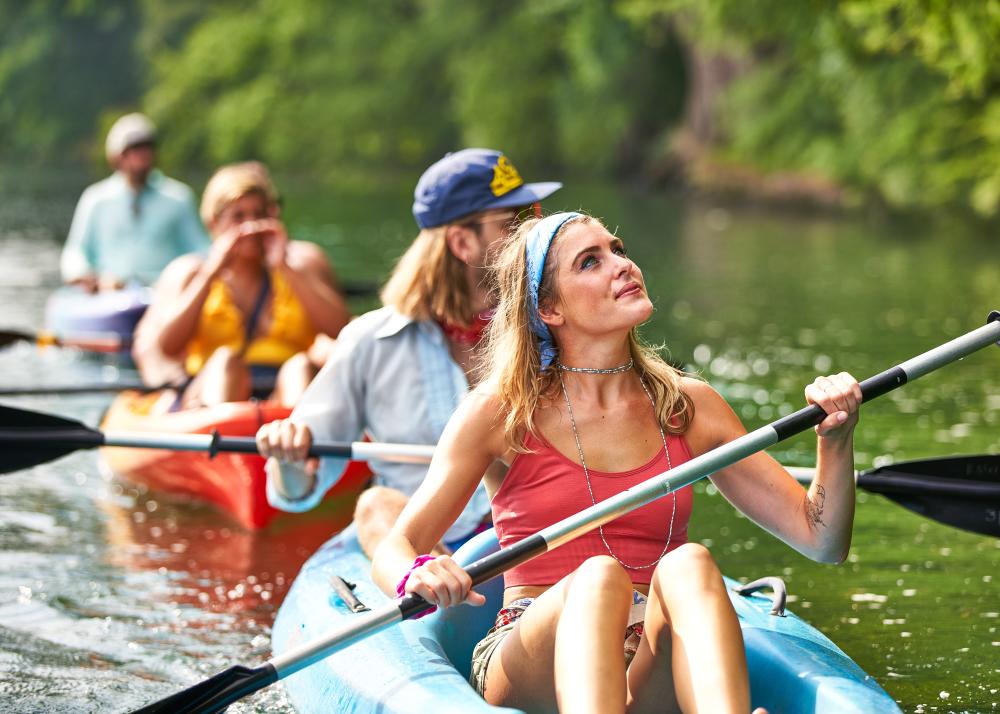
535	249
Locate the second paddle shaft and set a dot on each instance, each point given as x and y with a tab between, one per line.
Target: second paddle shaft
214	444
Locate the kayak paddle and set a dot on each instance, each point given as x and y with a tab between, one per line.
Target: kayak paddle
959	491
88	341
261	386
218	692
68	389
29	438
112	341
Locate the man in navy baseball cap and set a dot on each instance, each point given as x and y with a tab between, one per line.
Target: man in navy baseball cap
472	181
423	344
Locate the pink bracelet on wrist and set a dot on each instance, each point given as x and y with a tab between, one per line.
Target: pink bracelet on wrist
401	585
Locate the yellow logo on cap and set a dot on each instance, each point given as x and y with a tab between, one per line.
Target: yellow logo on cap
505	177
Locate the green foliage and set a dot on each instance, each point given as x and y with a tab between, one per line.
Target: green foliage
898	97
61	65
317	85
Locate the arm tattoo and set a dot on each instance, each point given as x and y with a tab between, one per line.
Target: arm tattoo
814	509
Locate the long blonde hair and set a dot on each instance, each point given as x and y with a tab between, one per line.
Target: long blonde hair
512	363
429	282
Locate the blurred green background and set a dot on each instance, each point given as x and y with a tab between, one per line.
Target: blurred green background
866	102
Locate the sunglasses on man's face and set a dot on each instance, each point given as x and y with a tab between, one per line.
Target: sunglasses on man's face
509	220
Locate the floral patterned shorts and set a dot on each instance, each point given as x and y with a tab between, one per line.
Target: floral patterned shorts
508	617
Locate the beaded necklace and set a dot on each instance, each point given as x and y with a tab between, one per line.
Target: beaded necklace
586	471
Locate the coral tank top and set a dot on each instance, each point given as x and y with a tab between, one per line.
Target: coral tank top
543	486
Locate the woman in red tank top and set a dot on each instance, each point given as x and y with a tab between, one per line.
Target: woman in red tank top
577	409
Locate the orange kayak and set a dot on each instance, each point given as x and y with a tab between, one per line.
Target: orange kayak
233	483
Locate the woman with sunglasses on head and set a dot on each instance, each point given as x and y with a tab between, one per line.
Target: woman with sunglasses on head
256	305
398	373
628	617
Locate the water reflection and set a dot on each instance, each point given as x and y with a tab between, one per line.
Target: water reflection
212	563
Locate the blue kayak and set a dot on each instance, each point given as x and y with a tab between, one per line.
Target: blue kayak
423	665
73	313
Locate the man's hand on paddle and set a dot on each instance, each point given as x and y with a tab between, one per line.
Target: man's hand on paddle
284	440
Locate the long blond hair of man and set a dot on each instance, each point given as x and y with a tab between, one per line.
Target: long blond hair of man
429	283
512	363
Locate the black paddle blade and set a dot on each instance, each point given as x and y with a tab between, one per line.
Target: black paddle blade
9	337
28	438
215	693
960	491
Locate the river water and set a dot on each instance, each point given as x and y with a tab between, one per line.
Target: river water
111	598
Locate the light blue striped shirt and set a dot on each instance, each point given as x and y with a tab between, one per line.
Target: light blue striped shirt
119	233
393	379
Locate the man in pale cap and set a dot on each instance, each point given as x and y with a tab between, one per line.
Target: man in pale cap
127	227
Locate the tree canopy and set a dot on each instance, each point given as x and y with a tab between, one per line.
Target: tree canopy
399	83
892	99
896	98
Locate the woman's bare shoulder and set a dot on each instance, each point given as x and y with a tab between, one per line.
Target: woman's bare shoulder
180	270
484	401
303	253
482	416
702	394
714	421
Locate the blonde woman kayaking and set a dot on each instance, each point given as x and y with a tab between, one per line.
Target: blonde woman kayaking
629	617
257	302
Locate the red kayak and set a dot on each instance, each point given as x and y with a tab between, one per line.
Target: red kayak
234	483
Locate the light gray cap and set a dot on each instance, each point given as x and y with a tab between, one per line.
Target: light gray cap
129	130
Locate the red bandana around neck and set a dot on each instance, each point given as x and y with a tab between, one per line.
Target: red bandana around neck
471	335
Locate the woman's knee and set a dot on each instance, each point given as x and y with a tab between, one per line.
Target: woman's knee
225	365
297	364
602	573
691	565
376	500
293	379
225	358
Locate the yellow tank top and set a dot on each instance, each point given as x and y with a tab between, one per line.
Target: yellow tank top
222	325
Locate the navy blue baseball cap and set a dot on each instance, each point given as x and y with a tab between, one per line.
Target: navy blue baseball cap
469	181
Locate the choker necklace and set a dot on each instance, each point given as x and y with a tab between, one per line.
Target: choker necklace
590	488
598	370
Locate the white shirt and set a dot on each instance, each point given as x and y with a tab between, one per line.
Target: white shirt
393	379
